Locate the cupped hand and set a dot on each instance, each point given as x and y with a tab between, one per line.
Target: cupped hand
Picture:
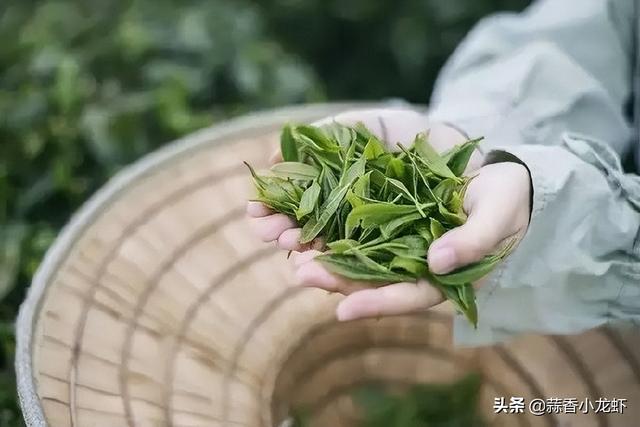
496	201
392	126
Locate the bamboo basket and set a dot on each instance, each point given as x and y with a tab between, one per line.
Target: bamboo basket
157	307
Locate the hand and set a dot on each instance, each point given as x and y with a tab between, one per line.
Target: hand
496	201
391	126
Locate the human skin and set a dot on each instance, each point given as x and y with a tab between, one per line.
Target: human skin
497	202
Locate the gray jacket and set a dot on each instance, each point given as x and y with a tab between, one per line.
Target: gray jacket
557	86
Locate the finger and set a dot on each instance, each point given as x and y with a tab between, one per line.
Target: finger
269	228
313	274
276	157
257	209
300	258
477	237
289	240
398	298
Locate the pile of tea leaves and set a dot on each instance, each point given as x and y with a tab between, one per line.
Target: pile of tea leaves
377	210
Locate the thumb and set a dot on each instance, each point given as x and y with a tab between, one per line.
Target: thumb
477	237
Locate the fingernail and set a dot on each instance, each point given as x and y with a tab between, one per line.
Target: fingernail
442	260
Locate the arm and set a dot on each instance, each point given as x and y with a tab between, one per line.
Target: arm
548	88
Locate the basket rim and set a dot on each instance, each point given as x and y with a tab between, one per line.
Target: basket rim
244	125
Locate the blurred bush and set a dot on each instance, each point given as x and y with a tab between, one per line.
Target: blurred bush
88	86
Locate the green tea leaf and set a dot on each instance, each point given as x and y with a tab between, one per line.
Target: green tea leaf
319	137
353	199
469	273
395	168
309	200
257	179
390	228
295	170
375	214
410	246
313	227
445	189
355	171
373	149
345	136
352	268
416	168
460	156
328	180
405	192
454	219
340	246
436	228
455	203
288	145
451	293
411	265
431	158
424	231
475	271
362	186
364	133
368	262
402	189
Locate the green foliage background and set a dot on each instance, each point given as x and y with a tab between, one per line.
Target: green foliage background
88	86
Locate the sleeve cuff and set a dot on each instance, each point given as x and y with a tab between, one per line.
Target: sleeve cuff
578	256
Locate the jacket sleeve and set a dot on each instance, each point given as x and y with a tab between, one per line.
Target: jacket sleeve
548	88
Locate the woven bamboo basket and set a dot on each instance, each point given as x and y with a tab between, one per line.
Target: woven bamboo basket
157	307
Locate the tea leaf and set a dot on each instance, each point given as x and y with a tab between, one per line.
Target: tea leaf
395	168
455	294
257	180
295	170
353	199
455	203
329	181
436	228
431	158
309	200
373	149
362	186
395	225
412	246
460	156
344	135
352	268
473	272
413	266
375	214
405	192
319	138
355	171
365	260
424	231
314	226
444	190
412	158
467	298
340	246
469	273
288	146
454	219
